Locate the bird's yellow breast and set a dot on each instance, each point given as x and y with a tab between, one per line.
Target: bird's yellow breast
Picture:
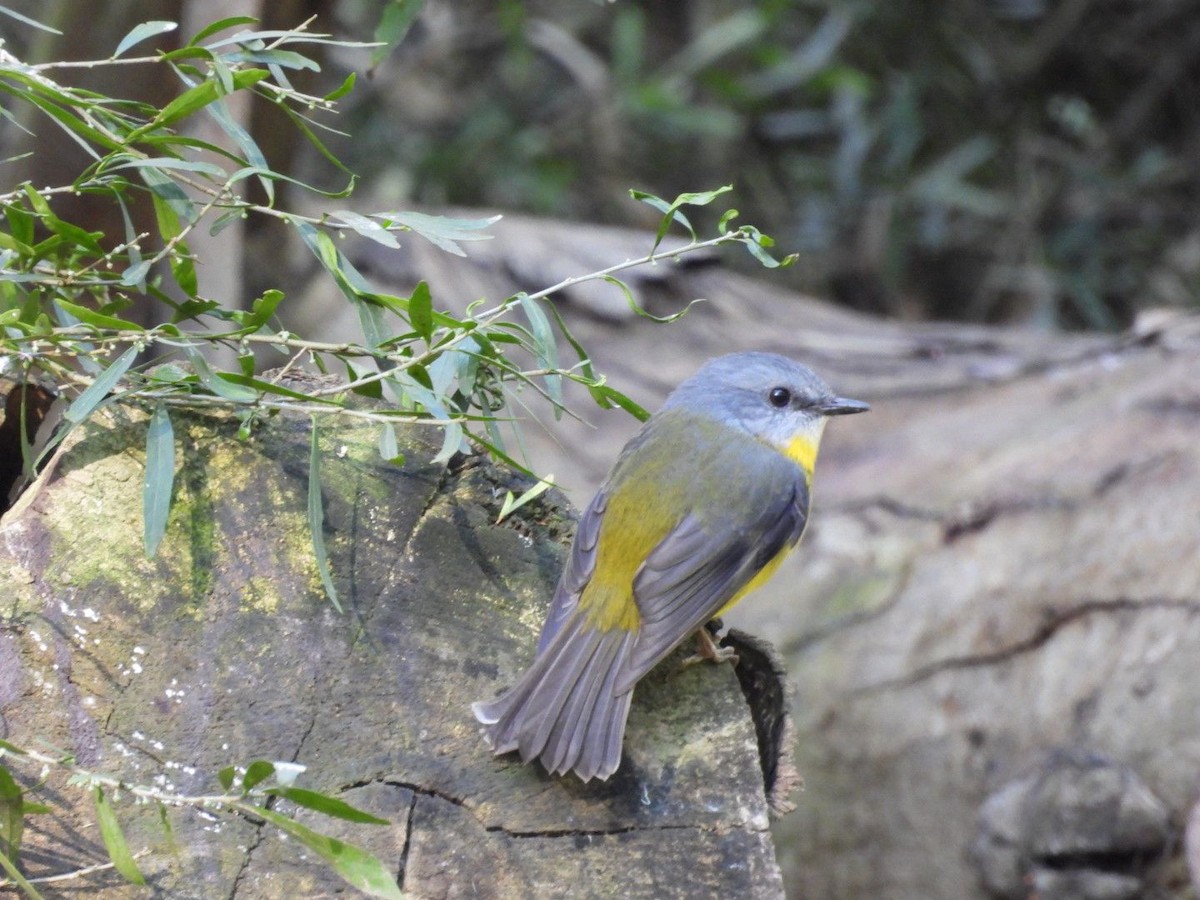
802	450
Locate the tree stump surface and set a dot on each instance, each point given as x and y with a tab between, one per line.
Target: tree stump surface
1000	578
223	649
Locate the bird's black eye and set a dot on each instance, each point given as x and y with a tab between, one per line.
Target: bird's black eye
779	397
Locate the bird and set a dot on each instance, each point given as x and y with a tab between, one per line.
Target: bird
701	506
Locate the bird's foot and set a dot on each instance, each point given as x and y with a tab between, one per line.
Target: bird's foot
708	650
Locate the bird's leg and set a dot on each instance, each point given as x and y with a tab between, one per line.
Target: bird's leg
708	650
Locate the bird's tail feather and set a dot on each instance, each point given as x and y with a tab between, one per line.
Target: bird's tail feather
565	710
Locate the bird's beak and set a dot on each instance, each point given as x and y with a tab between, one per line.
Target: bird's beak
841	406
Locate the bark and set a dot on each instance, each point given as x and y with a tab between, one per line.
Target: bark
223	649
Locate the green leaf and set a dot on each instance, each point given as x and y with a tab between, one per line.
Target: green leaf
86	402
18	879
322	803
671	211
366	226
607	397
219	110
28	21
420	311
545	348
135	275
141	33
257	772
398	16
261	310
12	814
171	204
221	25
388	448
441	231
358	867
96	319
512	504
268	387
288	59
196	98
114	840
757	243
343	89
223	384
159	478
316	517
642	311
225	777
167	162
20	223
452	441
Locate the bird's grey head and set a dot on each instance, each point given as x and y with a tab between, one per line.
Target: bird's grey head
765	394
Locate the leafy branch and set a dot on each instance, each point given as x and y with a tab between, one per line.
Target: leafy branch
82	316
247	793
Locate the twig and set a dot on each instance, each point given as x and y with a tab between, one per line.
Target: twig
77	873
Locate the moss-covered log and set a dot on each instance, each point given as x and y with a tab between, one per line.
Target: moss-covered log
224	649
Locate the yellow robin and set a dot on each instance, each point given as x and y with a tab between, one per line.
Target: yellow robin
700	508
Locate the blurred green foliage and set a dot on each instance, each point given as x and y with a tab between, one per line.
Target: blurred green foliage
1003	160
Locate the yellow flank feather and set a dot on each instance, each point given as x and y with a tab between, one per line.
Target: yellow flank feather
642	511
757	581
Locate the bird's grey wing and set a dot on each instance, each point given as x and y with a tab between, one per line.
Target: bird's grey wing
701	565
578	569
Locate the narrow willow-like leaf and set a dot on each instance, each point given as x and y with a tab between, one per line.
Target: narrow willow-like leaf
452	440
398	16
316	517
512	504
114	840
143	32
367	227
10	867
641	310
420	311
257	772
159	480
221	25
219	110
28	21
12	815
389	449
323	803
442	231
198	97
86	402
226	387
358	867
547	350
99	320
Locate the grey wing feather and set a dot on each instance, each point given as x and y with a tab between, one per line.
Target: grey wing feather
696	569
578	569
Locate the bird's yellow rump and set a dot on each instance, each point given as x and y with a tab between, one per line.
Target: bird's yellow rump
700	508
